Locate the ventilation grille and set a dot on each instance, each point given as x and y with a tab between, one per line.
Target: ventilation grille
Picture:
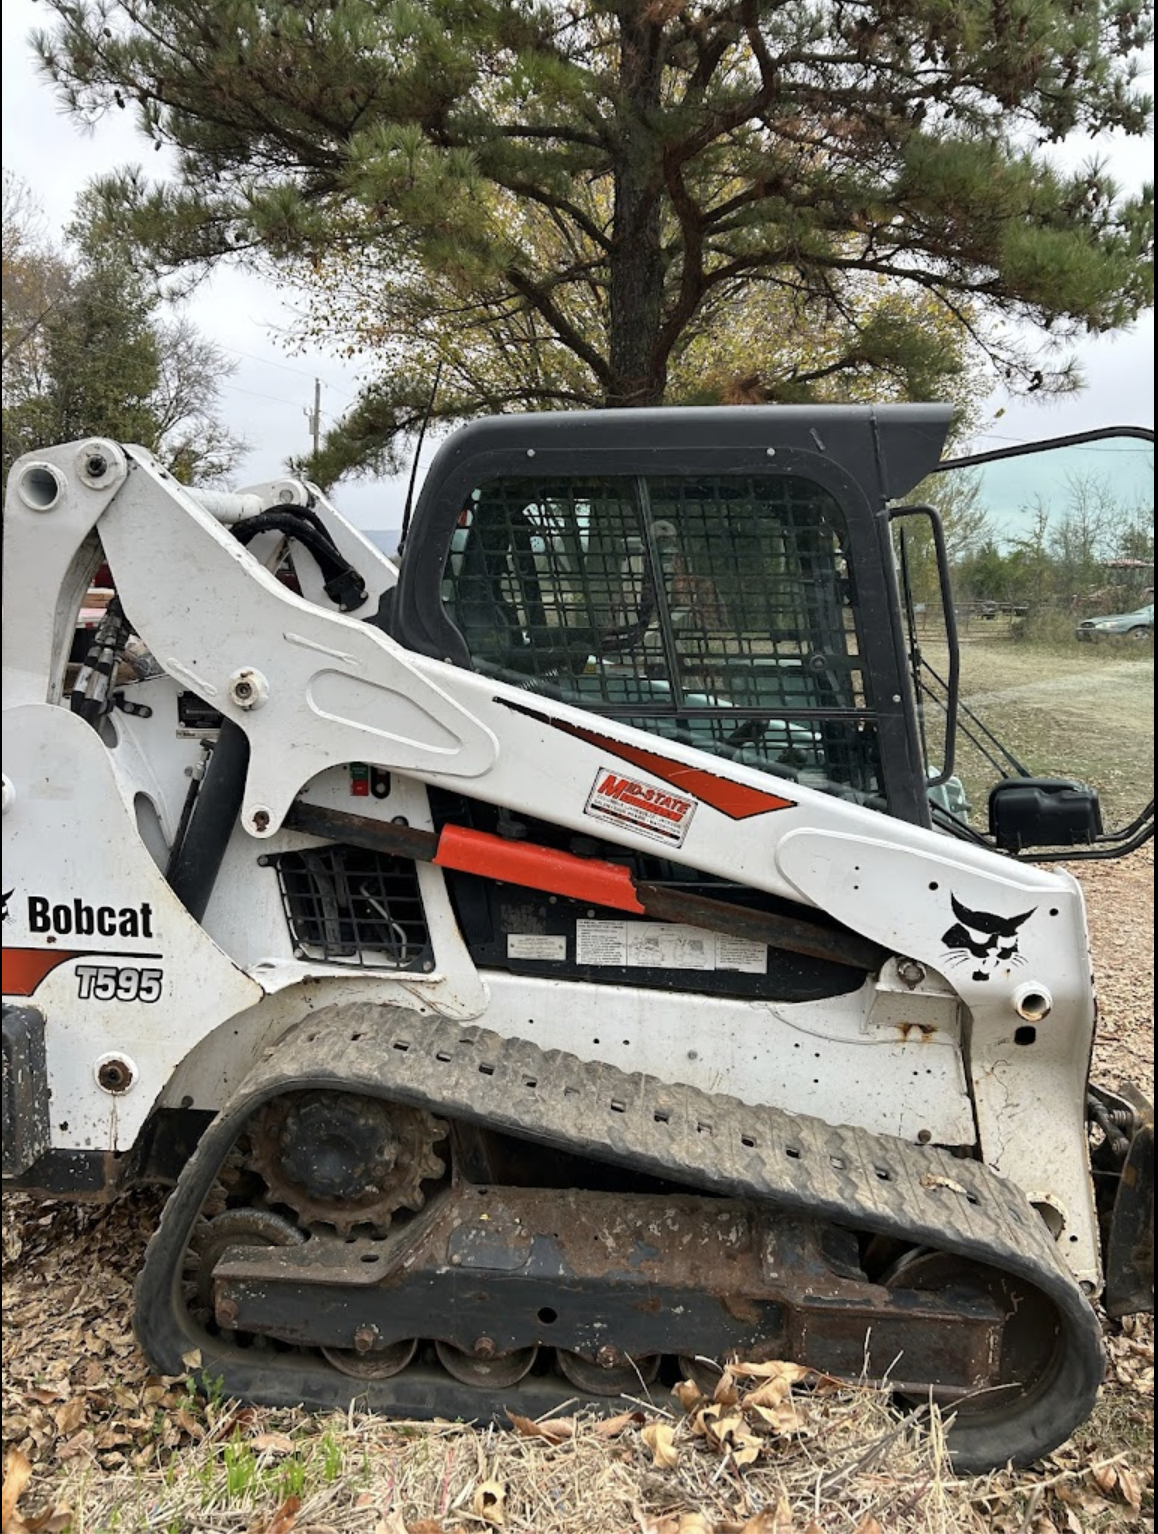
345	905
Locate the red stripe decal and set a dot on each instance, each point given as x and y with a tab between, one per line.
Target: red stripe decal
537	868
25	968
736	800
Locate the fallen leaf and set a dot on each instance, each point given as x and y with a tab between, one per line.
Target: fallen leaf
775	1369
489	1498
730	1434
1105	1477
56	1522
611	1427
285	1517
272	1443
693	1523
660	1439
782	1522
553	1430
17	1474
391	1523
783	1419
656	1523
868	1525
192	1359
688	1394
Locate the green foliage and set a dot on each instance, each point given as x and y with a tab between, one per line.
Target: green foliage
625	204
1067	558
87	351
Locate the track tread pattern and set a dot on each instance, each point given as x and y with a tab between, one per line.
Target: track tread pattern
803	1165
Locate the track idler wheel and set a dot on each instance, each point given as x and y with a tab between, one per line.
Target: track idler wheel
1029	1337
610	1372
374	1363
485	1368
212	1239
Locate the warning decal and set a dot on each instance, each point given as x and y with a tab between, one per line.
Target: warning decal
625	801
665	945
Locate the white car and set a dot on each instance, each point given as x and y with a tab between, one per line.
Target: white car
1136	625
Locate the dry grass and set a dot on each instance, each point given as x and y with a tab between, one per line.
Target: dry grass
1075	711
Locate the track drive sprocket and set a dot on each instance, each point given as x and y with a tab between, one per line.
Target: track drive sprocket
343	1159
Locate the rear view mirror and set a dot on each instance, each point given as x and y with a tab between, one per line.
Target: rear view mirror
1051	554
1043	812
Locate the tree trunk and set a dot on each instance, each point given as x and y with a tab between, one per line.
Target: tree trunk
638	375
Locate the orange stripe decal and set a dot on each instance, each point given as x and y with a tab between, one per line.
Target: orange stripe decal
25	968
736	800
537	868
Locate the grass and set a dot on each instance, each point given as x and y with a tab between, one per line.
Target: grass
1063	708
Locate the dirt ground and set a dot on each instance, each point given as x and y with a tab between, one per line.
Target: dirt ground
96	1443
1078	711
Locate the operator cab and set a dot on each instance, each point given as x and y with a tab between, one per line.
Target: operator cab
712	610
754	583
714	577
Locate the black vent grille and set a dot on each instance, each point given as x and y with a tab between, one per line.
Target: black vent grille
345	905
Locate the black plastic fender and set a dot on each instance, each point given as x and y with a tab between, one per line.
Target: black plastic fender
1130	1244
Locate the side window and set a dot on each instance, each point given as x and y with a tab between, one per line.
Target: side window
717	611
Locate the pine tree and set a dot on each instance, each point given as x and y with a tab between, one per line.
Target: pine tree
601	187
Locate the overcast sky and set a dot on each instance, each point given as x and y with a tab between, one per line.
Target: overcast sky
268	398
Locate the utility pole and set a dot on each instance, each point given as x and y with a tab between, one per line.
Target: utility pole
314	416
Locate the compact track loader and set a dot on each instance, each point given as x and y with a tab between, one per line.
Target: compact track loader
557	959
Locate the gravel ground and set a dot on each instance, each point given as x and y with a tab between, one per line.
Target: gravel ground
104	1445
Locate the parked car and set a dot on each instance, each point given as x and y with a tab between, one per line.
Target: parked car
1137	625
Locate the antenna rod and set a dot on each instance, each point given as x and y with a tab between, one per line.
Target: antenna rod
417	454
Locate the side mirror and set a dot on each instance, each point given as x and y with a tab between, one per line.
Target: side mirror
1043	812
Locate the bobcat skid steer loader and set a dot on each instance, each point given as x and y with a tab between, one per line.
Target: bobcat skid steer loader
558	958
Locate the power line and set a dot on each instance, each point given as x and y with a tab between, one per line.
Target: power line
277	399
285	367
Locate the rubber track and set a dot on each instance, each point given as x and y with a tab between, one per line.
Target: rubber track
848	1176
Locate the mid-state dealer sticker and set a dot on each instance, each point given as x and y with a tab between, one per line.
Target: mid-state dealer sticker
625	801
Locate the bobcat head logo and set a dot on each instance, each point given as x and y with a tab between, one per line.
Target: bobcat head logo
982	939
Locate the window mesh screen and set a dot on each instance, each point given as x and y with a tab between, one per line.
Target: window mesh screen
715	611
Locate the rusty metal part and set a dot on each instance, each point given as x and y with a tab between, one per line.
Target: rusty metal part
610	1372
518	1267
362	831
488	1368
377	1363
213	1238
342	1160
1028	1338
836	944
